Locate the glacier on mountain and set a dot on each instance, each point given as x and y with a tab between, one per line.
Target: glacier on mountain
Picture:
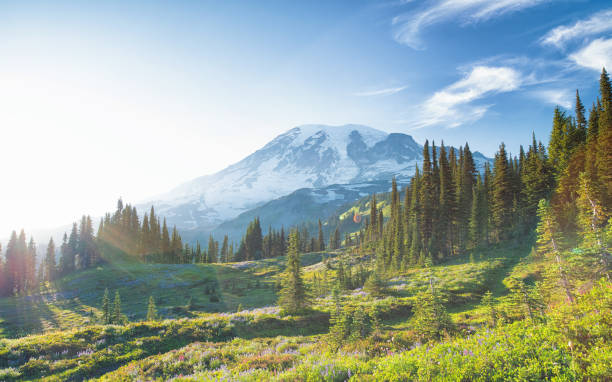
309	156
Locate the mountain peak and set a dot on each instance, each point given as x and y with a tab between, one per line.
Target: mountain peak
307	156
338	135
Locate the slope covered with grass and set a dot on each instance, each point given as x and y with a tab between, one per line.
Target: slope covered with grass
572	343
180	290
242	343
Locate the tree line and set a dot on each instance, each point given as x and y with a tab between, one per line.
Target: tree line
148	240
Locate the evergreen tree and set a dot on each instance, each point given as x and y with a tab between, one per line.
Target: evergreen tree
488	303
49	262
375	285
396	228
30	266
340	276
73	247
65	256
154	233
581	122
373	219
151	310
253	241
212	251
381	221
165	243
548	243
430	319
604	143
21	256
446	204
225	250
145	237
537	182
293	296
85	246
11	267
467	180
106	308
524	301
476	222
360	325
425	199
338	330
334	240
502	195
240	254
176	245
556	142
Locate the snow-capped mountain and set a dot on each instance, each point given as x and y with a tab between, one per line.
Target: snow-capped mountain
310	156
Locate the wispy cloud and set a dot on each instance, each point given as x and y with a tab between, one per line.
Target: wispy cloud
452	106
595	55
560	97
599	22
380	92
408	26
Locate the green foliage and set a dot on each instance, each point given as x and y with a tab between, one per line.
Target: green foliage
491	313
431	321
502	196
375	316
375	285
349	322
151	310
360	325
587	325
293	296
524	301
106	308
548	244
116	316
574	344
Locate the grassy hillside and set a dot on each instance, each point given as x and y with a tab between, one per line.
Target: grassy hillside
180	290
200	334
558	349
258	344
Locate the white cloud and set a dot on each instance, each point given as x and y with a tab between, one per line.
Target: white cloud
380	92
452	107
560	97
409	25
596	55
598	23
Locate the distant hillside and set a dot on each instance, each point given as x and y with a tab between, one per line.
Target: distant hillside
303	206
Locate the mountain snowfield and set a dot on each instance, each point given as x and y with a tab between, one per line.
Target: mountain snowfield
309	156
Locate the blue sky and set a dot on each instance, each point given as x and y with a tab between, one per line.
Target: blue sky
136	97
